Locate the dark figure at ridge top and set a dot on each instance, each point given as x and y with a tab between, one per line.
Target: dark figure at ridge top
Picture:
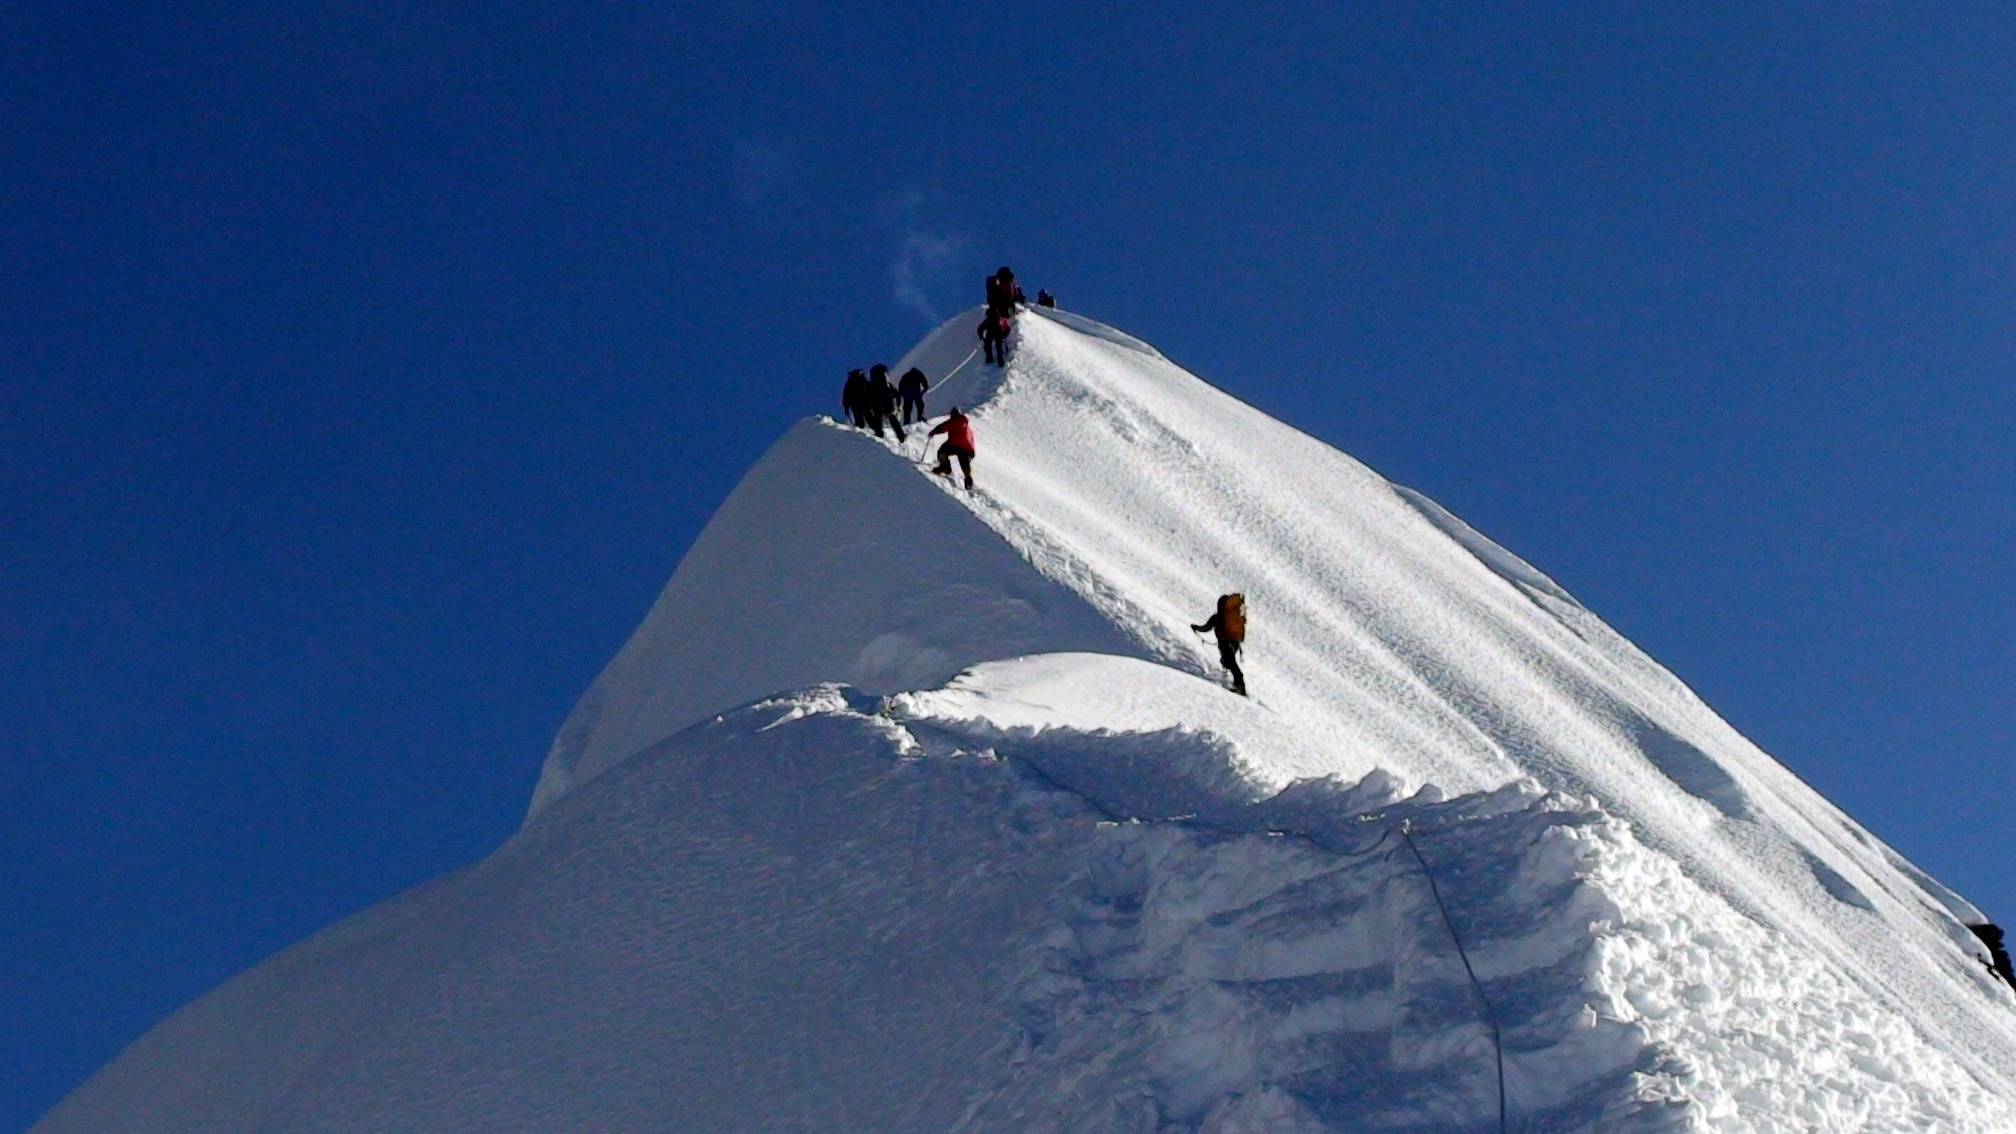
1003	293
912	389
958	443
882	401
1230	624
1998	957
1045	299
994	328
854	398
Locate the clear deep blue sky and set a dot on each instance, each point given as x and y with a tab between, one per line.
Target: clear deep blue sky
366	368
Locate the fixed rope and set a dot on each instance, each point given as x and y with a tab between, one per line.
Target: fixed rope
1490	1014
970	356
1406	830
953	373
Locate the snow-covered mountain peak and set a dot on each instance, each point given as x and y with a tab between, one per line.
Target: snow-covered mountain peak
913	807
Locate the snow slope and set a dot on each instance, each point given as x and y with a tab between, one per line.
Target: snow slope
1010	859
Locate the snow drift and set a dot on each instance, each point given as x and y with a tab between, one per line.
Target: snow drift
931	815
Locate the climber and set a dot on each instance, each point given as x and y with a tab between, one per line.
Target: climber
1003	293
1045	299
912	389
1230	624
1998	957
958	443
994	329
854	398
882	401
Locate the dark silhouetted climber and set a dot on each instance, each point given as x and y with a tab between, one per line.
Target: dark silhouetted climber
958	443
912	389
1003	293
994	337
854	398
871	404
882	398
1045	299
1230	624
1998	957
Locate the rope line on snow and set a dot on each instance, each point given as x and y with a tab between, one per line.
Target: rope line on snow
970	356
904	446
1490	1014
1406	829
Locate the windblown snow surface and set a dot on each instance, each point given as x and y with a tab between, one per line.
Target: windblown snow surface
929	813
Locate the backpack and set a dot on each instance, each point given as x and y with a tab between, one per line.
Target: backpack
1232	617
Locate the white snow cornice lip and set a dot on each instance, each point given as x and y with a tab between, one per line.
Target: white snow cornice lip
832	911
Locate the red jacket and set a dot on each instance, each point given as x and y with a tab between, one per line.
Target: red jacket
958	433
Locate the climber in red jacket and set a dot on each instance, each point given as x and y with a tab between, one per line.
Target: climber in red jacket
958	443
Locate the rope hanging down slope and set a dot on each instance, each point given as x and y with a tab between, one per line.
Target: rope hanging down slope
1406	830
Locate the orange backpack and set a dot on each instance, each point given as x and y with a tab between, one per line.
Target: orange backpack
1232	617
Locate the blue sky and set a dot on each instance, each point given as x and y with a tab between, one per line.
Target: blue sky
365	369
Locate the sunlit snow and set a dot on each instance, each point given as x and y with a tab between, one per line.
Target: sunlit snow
914	808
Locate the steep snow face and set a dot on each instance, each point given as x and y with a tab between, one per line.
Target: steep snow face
1390	633
1385	633
829	562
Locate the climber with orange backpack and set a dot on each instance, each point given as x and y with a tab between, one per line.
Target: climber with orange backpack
1230	623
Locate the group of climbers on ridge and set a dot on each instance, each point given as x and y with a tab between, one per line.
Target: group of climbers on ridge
871	401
